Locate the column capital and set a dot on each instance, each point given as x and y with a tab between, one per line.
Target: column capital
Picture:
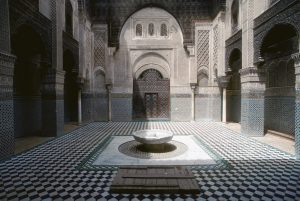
191	50
80	82
224	80
111	51
296	58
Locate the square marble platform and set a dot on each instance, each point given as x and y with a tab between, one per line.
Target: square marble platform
195	155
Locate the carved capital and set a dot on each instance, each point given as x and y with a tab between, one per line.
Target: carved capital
191	50
252	75
224	80
111	51
80	82
296	58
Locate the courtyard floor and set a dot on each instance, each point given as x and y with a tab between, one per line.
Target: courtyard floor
60	170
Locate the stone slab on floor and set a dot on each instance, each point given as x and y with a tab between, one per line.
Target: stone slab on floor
155	179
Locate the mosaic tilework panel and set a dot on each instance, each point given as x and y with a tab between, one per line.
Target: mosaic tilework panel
55	121
7	140
202	110
181	109
207	109
216	107
234	108
87	108
121	109
48	172
280	114
100	109
252	117
28	110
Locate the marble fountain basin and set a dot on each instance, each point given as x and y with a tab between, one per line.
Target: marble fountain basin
153	137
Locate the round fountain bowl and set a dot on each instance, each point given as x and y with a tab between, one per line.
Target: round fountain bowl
153	137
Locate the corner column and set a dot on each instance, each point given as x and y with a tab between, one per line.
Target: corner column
7	134
7	62
109	87
296	58
253	103
193	87
53	103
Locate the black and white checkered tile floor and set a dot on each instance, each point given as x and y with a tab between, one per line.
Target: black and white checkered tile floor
49	171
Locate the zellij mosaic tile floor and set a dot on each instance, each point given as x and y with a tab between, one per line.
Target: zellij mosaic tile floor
62	169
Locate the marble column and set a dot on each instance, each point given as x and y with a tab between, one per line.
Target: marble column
80	83
224	105
53	103
109	88
253	101
296	58
193	87
7	61
223	82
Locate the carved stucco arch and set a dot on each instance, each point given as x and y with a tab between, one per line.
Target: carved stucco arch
262	32
230	50
99	69
202	70
157	61
157	67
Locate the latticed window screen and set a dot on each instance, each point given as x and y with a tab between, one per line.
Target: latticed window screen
151	29
163	30
139	30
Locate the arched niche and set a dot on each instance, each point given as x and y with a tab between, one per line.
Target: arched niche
30	69
235	14
153	59
233	89
280	42
202	77
70	88
69	17
148	21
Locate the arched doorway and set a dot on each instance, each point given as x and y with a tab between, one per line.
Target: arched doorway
29	70
151	96
278	46
70	88
234	88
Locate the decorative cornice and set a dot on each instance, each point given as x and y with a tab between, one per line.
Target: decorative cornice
234	38
273	11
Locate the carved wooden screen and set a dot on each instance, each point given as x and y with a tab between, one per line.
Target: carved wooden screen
151	96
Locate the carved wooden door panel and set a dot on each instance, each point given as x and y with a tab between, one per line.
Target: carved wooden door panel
151	99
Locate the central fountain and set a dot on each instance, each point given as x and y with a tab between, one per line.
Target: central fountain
153	140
